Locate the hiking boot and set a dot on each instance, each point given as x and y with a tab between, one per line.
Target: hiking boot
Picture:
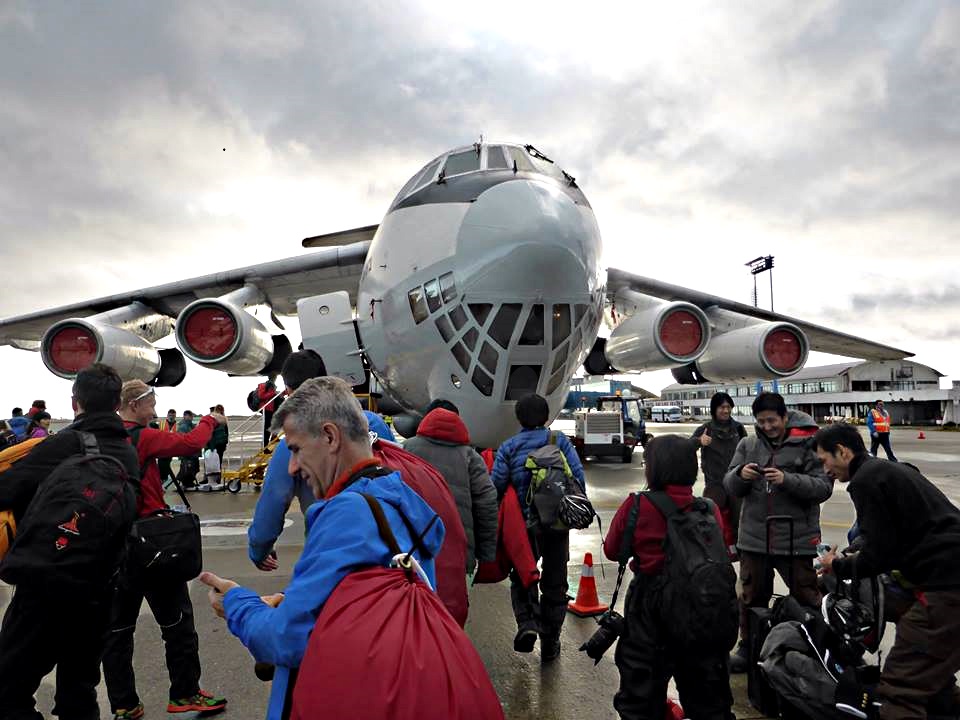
525	638
739	663
131	714
203	702
549	649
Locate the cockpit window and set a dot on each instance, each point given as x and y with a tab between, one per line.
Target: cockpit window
533	331
418	305
427	175
462	162
496	158
561	323
522	161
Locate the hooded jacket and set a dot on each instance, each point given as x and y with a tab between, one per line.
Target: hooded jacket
805	486
906	524
342	537
443	441
19	425
508	467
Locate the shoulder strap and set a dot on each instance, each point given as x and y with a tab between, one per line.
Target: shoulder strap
662	502
383	527
626	546
552	438
89	442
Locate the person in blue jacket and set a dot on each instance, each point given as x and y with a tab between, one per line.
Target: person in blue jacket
327	437
18	423
541	608
279	486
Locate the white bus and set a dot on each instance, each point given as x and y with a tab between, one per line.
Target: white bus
665	413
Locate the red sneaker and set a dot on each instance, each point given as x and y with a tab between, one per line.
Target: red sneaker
202	702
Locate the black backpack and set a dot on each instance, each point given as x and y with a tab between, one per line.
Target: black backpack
700	584
74	529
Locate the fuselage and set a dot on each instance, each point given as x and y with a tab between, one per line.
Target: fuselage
481	285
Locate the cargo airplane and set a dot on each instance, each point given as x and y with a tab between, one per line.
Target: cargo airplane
481	284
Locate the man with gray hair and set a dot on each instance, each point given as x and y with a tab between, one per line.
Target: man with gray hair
327	436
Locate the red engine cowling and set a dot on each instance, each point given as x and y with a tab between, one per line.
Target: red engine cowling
763	351
71	345
219	335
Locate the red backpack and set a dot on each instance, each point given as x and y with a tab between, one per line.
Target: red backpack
384	648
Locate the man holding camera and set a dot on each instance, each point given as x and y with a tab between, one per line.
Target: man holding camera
777	473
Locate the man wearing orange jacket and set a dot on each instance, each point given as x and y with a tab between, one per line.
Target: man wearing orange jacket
170	604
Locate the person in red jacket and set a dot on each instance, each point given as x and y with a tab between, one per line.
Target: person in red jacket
170	604
644	656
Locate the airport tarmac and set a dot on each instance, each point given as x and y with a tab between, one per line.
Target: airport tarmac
570	688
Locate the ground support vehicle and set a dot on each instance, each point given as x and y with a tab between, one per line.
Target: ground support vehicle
612	429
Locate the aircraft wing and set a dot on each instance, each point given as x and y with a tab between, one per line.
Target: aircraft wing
283	282
820	338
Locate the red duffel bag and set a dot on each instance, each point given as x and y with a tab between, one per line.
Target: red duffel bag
385	648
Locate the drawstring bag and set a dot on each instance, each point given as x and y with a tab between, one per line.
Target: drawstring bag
385	648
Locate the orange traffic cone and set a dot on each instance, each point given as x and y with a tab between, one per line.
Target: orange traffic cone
921	436
587	603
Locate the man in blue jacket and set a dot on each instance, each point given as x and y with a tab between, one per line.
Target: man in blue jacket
539	610
327	436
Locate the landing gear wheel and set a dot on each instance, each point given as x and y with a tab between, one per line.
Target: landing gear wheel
234	486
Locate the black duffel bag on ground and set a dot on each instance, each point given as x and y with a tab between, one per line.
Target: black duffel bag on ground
165	546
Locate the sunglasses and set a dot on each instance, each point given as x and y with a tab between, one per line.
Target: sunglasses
141	396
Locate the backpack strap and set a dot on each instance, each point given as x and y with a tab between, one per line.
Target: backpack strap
662	502
626	546
89	443
383	527
552	438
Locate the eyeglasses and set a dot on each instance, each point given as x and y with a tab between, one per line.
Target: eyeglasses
141	396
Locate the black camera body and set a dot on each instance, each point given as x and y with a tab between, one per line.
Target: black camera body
611	627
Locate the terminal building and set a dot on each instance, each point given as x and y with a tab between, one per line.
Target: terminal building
910	392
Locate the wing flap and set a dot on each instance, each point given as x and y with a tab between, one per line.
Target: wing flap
821	339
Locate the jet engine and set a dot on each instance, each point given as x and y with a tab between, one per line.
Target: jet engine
71	345
658	335
763	351
218	334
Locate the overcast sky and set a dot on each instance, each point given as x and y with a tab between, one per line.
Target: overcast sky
144	142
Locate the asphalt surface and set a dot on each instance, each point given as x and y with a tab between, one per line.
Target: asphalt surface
570	688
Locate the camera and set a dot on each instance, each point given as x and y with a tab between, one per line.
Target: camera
611	627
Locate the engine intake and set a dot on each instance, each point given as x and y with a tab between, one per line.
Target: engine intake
764	351
219	335
660	335
71	345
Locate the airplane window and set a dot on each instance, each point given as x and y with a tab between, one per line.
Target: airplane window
443	325
432	289
521	159
488	357
533	331
482	381
480	311
575	343
418	305
501	329
561	323
470	338
427	175
462	162
462	356
579	310
523	380
555	382
458	316
447	287
560	359
496	158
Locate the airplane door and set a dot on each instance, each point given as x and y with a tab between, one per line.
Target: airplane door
326	323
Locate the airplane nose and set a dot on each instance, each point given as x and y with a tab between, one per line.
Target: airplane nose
529	234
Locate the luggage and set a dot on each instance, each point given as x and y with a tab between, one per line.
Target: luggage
384	647
551	482
8	524
165	547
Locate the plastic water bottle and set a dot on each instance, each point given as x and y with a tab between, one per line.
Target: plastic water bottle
178	508
822	550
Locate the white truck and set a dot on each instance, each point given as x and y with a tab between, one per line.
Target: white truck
611	430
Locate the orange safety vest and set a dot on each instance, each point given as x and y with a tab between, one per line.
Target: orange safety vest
881	422
167	426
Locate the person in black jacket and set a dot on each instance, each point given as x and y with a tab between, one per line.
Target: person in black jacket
911	530
717	441
55	620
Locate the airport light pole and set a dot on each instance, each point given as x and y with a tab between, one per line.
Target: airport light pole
757	266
